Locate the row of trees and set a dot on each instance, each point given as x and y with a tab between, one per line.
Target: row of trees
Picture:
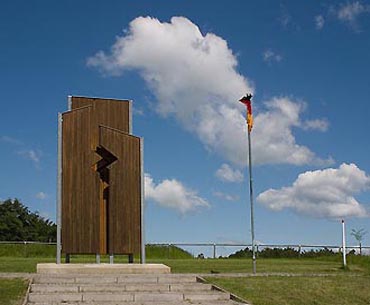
18	223
285	253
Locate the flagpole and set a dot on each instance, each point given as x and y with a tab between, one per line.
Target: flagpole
251	201
246	100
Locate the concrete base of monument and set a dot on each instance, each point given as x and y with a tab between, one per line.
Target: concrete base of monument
52	268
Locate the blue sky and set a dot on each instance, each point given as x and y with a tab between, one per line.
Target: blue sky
185	64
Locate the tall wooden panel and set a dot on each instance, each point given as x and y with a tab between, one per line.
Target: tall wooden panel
106	112
80	185
124	211
101	178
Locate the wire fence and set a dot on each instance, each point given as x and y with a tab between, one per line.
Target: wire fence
206	250
215	250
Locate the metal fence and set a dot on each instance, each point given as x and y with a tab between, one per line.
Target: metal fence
215	250
27	242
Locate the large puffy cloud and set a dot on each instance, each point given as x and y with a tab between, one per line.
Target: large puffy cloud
173	194
322	193
194	78
273	139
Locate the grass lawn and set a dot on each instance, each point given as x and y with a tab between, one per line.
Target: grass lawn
291	265
343	290
12	291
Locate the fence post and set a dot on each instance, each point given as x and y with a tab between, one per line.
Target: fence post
214	250
344	244
299	250
25	248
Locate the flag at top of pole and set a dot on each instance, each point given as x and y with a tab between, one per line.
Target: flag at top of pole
246	100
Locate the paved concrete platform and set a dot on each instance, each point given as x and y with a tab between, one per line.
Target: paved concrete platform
52	268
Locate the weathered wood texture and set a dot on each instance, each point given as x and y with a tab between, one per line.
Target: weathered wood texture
93	222
106	112
124	210
80	191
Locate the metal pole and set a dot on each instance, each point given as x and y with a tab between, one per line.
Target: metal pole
214	250
344	244
251	201
130	117
142	254
59	190
69	102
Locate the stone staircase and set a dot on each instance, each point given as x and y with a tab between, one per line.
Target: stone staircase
134	289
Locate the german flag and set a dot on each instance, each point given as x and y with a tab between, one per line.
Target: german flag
246	100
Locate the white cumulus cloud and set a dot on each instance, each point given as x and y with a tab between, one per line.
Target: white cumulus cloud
194	78
41	195
225	196
322	193
31	154
227	174
317	124
10	140
319	22
350	12
173	194
271	56
273	139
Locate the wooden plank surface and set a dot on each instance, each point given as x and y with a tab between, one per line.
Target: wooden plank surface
80	185
100	210
124	210
105	112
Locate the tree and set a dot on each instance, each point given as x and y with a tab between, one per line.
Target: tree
359	235
18	223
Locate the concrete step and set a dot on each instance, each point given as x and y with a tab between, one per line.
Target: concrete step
155	287
228	302
170	278
127	297
150	289
52	268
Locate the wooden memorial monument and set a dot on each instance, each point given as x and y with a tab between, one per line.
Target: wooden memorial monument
100	178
